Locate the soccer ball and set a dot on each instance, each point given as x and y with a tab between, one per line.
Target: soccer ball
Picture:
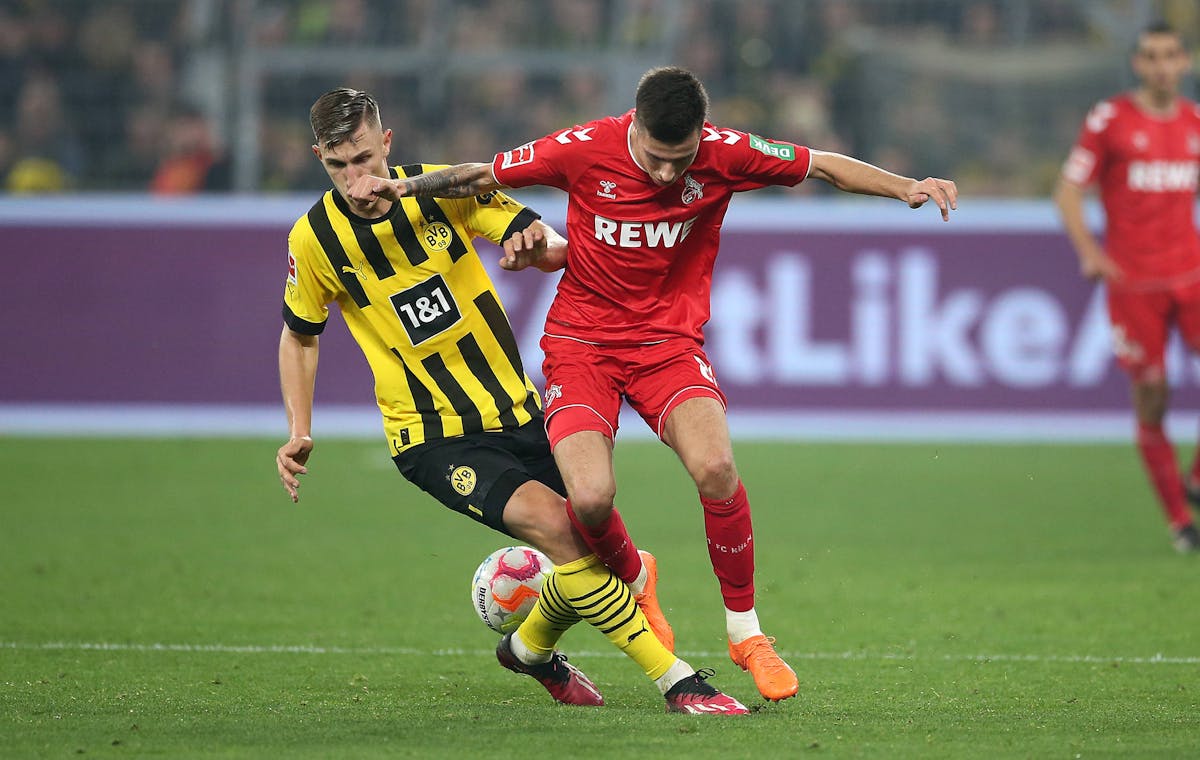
507	585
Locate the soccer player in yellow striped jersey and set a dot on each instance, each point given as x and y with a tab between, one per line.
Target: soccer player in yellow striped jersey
463	420
418	301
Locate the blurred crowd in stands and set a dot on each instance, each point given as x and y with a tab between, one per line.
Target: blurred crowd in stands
146	95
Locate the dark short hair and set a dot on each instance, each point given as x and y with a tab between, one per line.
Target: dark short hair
1157	27
338	113
671	104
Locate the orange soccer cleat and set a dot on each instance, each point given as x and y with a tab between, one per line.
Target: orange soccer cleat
774	679
648	602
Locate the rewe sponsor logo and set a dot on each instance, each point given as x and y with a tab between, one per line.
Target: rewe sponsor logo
1163	176
642	234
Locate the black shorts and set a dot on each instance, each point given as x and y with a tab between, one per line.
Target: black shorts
476	474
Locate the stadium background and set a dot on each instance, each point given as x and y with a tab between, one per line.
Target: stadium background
155	153
938	598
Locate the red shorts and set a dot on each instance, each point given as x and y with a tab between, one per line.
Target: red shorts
1141	323
585	383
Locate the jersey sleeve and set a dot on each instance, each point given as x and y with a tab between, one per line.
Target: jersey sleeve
753	161
309	289
1087	156
495	216
550	160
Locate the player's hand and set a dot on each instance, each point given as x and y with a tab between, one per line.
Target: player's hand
1098	266
367	189
942	192
526	248
290	460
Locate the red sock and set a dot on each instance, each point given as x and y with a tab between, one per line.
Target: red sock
611	543
731	547
1159	458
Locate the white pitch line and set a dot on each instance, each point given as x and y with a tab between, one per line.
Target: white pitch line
106	646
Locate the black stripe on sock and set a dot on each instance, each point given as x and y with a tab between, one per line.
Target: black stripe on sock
554	601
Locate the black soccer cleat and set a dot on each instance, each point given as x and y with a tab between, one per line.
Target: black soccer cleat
1192	491
694	695
1185	539
565	682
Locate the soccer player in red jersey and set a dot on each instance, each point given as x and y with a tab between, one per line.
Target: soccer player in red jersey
648	191
1142	148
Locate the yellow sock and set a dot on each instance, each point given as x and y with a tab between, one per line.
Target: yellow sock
588	589
545	625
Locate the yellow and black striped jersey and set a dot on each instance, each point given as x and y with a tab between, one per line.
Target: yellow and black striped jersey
420	305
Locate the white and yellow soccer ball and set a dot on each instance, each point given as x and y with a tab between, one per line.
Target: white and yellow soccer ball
507	586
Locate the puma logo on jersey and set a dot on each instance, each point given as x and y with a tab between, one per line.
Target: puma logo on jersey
357	271
642	234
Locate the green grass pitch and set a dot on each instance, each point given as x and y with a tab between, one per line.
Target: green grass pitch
164	598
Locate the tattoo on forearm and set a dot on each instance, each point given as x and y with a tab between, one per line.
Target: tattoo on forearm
455	182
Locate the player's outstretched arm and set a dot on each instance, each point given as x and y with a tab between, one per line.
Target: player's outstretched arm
1094	263
460	181
538	245
854	176
297	377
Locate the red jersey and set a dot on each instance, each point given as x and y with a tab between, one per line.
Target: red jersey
1146	167
640	256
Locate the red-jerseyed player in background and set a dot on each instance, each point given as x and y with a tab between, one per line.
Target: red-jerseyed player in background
647	193
1142	148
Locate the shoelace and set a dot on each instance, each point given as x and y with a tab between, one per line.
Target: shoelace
763	650
697	683
556	667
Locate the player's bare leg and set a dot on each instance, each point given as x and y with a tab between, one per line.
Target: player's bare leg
698	432
1150	395
534	514
584	459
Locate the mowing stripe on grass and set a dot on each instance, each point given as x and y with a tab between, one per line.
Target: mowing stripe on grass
106	646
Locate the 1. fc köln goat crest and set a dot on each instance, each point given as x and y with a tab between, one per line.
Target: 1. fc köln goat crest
692	190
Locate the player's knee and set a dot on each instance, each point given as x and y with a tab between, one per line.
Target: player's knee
1150	395
715	475
593	503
